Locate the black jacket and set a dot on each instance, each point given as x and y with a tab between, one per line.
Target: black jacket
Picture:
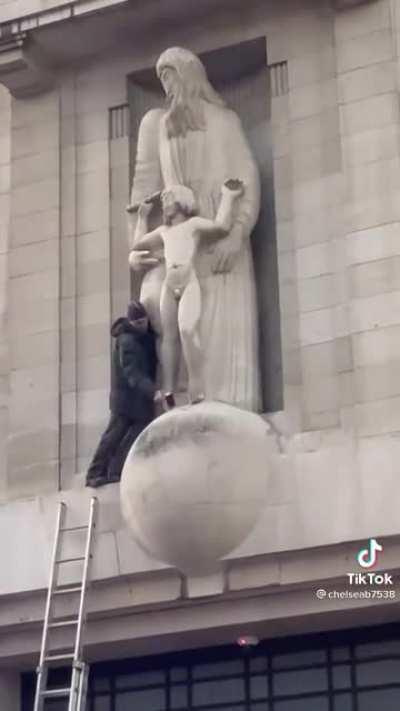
133	371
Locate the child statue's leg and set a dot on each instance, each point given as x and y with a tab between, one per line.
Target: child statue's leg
170	339
189	322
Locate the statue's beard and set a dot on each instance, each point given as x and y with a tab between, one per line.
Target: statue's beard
185	113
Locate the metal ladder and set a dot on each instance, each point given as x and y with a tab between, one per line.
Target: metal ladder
76	693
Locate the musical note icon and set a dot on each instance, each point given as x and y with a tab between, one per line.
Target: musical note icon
367	557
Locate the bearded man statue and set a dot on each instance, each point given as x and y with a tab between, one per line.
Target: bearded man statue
198	142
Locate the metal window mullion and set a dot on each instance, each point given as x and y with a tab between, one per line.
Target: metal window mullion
189	688
113	692
270	680
329	673
353	679
246	678
167	687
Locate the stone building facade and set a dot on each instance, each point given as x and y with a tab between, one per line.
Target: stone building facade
69	114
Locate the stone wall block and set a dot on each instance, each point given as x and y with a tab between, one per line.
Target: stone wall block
379	417
377	346
362	20
374	145
35	227
368	114
367	81
361	51
34	258
253	573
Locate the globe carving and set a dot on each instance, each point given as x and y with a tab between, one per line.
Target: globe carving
195	483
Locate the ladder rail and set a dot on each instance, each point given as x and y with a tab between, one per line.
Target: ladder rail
53	572
81	613
77	692
42	669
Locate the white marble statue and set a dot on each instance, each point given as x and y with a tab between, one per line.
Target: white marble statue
196	141
182	234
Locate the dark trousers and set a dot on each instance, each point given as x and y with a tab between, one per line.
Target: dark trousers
112	450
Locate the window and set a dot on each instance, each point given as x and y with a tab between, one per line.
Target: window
353	671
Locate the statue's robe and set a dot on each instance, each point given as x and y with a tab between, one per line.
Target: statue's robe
203	160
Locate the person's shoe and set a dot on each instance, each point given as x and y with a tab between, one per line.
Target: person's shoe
95	481
170	400
113	478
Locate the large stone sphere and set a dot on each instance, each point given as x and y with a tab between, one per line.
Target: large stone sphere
195	483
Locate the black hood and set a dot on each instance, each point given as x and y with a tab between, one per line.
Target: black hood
121	325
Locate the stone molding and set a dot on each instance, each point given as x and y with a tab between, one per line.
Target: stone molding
345	4
279	78
22	67
272	595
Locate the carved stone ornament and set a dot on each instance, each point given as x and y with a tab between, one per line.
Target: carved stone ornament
196	141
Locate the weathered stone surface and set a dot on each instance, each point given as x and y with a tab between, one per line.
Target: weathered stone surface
184	493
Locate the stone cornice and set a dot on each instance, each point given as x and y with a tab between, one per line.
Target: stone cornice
345	4
22	68
271	595
23	71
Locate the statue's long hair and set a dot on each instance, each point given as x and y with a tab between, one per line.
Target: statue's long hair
186	112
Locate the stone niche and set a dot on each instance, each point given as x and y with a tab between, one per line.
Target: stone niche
241	75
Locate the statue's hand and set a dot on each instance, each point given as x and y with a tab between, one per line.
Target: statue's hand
225	253
233	187
140	259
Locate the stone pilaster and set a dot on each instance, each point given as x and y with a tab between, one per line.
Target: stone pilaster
34	296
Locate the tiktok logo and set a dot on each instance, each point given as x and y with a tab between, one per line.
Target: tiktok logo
367	557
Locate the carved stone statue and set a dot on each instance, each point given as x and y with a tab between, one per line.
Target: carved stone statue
180	306
197	142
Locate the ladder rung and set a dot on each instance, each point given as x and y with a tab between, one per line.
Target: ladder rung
59	657
64	623
70	560
53	693
66	591
74	528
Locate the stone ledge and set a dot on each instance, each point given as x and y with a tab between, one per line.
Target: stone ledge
123	630
345	4
22	66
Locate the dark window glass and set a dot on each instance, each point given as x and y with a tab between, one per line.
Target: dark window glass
179	697
373	673
258	664
147	700
385	699
343	702
178	673
102	683
378	649
319	703
102	703
150	678
341	677
258	687
300	659
340	654
300	682
235	666
216	692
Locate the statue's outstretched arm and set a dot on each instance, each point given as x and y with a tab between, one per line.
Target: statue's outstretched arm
151	240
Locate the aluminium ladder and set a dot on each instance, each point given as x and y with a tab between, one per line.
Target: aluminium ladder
77	691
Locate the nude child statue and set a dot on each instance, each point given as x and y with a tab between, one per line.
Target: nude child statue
180	303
